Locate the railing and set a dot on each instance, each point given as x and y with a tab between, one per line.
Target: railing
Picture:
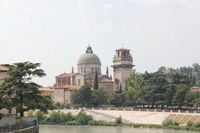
23	125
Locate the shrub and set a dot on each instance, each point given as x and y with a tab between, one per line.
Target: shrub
189	124
197	125
170	123
60	118
118	120
41	117
56	118
83	118
30	114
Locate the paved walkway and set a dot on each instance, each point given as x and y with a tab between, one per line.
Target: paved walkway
139	117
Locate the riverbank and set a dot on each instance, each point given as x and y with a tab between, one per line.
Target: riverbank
60	118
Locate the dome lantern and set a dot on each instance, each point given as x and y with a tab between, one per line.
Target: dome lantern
89	57
89	49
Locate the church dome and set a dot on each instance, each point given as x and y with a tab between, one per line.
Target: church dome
89	58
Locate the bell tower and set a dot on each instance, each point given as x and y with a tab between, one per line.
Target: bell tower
122	68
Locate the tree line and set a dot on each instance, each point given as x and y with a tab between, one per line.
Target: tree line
165	88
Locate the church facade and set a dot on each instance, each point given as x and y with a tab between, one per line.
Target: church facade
88	65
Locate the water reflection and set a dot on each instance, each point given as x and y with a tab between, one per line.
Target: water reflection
88	129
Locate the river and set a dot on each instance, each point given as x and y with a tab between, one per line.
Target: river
89	129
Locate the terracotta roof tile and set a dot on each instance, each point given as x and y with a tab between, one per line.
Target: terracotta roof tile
195	88
67	74
3	68
70	87
46	89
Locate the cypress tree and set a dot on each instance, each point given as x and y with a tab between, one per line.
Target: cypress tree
96	82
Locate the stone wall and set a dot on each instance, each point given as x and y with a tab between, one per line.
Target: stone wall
107	87
59	95
122	74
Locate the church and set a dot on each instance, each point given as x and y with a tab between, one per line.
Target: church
88	66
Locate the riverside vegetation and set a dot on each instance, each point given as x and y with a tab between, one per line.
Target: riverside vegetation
82	119
166	88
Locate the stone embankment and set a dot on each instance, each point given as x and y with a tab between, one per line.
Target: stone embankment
139	117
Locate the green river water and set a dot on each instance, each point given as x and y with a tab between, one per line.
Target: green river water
88	129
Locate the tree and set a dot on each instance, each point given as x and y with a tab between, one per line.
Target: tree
117	99
135	85
98	97
193	99
5	101
96	82
156	87
83	96
180	95
23	94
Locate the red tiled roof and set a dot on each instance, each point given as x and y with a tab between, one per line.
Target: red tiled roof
67	74
3	68
123	49
195	88
70	87
46	89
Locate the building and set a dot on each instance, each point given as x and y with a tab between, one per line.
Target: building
47	91
122	67
88	65
3	73
195	89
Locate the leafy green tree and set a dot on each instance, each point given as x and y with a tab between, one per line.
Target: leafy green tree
180	95
156	87
96	81
83	96
83	119
117	99
192	99
23	94
98	97
119	120
135	90
135	81
198	83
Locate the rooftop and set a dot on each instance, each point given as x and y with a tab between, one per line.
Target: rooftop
47	89
89	58
3	69
67	75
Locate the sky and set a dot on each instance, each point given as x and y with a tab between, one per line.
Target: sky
56	33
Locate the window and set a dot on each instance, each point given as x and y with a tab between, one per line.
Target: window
68	81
